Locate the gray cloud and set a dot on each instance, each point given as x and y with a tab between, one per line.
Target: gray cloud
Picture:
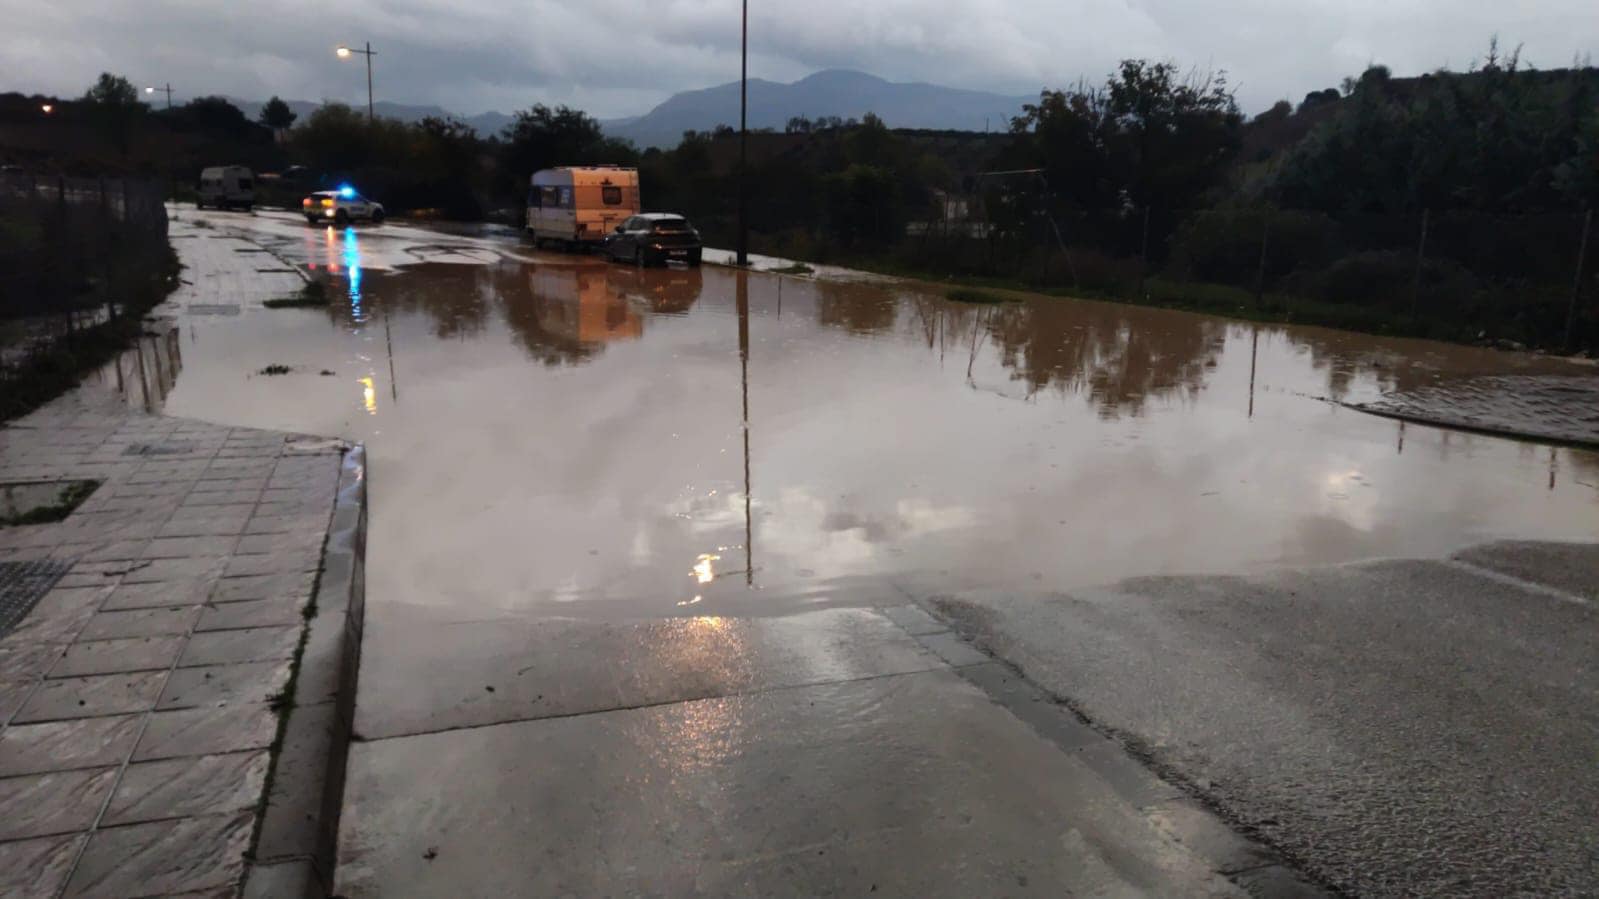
619	57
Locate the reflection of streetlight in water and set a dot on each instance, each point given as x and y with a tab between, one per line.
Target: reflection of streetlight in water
369	395
704	571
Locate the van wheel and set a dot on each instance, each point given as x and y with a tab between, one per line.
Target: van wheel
341	217
377	216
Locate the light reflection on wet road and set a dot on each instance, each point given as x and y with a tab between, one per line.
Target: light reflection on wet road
557	435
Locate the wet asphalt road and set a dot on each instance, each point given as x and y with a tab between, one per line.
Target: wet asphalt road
1399	728
556	439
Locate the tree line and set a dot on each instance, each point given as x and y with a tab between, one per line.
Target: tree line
1123	186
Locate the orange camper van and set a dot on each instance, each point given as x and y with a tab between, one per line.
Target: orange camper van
576	206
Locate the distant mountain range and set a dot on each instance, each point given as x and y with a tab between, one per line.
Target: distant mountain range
834	92
487	123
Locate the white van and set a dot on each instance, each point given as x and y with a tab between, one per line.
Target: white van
226	187
576	206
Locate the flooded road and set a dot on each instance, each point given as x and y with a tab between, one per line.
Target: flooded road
557	435
662	547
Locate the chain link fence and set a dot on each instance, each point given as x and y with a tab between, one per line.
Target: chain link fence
79	256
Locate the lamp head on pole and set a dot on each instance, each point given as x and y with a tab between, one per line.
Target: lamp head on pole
149	90
343	52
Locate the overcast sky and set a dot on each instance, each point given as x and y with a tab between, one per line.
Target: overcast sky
620	57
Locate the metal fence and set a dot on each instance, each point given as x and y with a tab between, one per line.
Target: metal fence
75	253
79	256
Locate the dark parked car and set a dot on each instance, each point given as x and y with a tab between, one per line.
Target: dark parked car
654	238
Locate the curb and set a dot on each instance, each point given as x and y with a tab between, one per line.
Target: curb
1468	427
298	832
1252	866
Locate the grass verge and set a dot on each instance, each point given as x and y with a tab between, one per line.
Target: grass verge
968	295
70	497
1194	296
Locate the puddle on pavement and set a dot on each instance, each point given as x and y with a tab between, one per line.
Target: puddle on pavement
144	374
568	437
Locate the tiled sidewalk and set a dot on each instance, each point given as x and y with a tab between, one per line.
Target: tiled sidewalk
139	699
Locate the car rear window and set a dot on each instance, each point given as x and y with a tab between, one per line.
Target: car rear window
668	225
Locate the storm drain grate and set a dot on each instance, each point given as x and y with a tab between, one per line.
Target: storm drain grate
22	584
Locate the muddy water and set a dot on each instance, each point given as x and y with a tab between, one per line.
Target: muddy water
560	436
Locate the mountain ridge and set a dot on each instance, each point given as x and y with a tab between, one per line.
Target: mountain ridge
845	93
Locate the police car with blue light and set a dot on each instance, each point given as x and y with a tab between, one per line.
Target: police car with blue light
340	207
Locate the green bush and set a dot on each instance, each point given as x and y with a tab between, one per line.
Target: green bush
1387	279
1223	245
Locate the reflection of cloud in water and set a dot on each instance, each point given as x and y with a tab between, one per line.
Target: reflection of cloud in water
834	540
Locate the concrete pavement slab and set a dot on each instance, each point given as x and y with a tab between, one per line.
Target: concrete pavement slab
255	644
87	697
65	745
181	855
37	867
191	732
420	673
913	785
155	622
177	788
163	594
37	805
252	613
115	656
219	685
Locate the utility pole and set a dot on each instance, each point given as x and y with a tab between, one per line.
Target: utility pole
1576	282
743	137
166	89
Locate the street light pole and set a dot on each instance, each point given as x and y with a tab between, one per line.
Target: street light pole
167	90
344	52
743	137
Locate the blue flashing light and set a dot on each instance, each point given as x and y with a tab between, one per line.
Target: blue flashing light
346	191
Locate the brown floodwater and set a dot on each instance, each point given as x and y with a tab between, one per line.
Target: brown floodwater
557	435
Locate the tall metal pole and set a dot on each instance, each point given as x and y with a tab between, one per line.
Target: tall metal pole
1576	282
370	118
742	302
1421	255
743	136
